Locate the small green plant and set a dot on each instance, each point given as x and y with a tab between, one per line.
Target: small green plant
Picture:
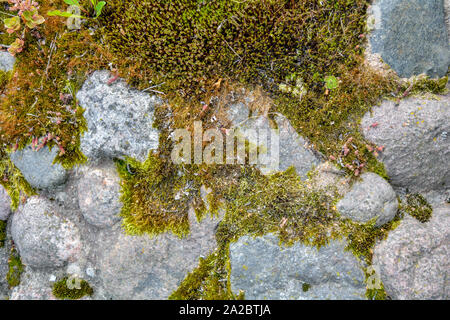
306	287
71	289
16	269
299	90
97	6
331	82
2	233
28	13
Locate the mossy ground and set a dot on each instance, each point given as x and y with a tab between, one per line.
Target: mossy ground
16	268
190	51
62	291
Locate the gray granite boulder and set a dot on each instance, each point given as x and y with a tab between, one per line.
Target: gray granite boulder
411	36
5	204
6	61
99	194
416	141
140	267
264	270
43	236
34	285
119	118
370	198
293	150
414	261
37	167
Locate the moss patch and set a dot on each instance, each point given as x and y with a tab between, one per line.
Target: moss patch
418	207
16	268
62	291
2	233
306	287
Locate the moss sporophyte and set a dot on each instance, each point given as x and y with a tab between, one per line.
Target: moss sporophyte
306	56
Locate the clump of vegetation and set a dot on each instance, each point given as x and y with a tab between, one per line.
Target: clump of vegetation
149	192
418	207
363	237
207	282
39	105
76	291
97	7
306	287
12	180
27	12
2	233
375	288
16	268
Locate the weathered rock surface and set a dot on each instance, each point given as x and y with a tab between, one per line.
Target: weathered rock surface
5	204
152	268
120	119
414	260
4	256
370	198
411	36
264	270
99	195
447	17
44	238
415	135
6	61
37	167
290	150
34	285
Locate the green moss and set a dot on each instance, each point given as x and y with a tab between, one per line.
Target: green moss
363	237
306	287
207	281
16	269
418	207
62	291
12	180
149	192
424	84
2	233
4	79
378	293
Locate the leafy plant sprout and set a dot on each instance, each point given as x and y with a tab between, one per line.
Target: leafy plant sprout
96	5
28	14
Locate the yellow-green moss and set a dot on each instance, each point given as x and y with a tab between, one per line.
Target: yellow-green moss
12	180
363	237
62	291
16	268
2	233
206	282
375	293
149	190
306	287
418	207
